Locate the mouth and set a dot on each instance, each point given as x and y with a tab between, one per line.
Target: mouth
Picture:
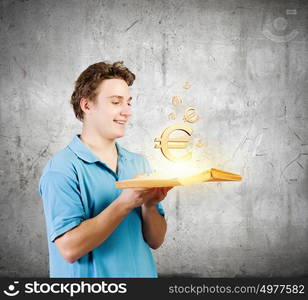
120	122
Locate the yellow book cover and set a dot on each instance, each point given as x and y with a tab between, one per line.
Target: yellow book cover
164	181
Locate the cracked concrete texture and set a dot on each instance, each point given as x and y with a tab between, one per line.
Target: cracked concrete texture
246	62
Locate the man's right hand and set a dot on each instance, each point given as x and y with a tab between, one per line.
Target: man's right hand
133	197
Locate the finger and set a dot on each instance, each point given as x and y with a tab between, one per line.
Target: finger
169	188
162	193
143	189
152	190
165	190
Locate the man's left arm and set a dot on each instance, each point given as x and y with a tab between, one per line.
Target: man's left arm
154	225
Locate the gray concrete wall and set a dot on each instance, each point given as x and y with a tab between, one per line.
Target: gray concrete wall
247	64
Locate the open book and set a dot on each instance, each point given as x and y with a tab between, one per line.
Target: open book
157	181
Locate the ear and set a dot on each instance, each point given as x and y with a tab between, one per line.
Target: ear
85	105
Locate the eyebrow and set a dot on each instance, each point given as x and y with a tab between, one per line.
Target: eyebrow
120	97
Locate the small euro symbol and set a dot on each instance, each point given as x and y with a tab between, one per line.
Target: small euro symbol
200	144
190	115
167	143
176	100
172	116
186	85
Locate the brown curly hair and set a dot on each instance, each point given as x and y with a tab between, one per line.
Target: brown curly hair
88	81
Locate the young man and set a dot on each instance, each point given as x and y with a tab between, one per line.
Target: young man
94	229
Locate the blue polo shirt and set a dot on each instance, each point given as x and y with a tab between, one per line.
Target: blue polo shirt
76	185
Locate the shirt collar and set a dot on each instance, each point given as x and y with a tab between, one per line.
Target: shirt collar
83	152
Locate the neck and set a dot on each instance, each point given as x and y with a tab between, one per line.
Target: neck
96	142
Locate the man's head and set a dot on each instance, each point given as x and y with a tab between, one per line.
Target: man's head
87	84
102	98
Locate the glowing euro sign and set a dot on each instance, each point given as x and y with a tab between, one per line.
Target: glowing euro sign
166	143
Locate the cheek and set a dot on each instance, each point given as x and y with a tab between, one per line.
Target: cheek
107	113
104	113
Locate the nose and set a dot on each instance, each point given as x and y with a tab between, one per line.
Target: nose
126	110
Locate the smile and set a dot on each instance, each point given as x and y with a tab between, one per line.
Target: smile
120	122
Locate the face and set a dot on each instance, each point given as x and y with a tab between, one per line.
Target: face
112	109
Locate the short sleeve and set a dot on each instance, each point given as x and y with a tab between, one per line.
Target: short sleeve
62	203
148	170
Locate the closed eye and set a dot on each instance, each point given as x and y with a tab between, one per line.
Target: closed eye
119	99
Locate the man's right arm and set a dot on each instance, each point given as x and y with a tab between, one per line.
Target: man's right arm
92	232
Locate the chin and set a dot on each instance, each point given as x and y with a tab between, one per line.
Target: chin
119	135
